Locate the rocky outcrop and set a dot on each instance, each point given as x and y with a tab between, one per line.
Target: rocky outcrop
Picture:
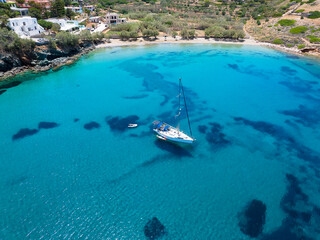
42	59
8	61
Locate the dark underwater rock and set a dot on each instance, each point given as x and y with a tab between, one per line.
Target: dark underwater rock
288	70
215	136
2	91
202	128
154	229
137	96
76	120
91	125
121	124
47	125
308	117
24	132
10	84
233	66
252	219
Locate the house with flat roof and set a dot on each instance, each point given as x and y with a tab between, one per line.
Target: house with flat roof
25	26
22	11
94	19
113	18
65	25
75	9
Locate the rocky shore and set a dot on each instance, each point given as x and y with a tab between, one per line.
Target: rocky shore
43	59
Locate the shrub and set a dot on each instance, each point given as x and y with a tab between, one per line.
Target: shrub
277	41
301	46
313	39
85	35
286	22
314	15
45	24
300	11
297	30
66	40
269	25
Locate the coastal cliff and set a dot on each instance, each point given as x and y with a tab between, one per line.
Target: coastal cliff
42	58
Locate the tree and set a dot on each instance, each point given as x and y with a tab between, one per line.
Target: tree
55	27
57	8
70	14
35	12
67	40
85	35
21	2
174	34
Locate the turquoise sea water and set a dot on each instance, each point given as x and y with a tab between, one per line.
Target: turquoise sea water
71	169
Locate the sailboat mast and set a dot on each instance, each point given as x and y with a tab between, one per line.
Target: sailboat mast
179	109
185	104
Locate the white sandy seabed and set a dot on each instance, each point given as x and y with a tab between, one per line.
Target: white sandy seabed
141	41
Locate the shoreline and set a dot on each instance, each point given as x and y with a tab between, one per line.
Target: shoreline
200	40
64	61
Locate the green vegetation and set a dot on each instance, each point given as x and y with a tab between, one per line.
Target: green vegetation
286	22
11	43
300	11
57	8
297	30
313	39
188	33
314	15
301	46
66	40
45	24
277	41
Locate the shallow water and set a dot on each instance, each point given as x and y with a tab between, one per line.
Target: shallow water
70	168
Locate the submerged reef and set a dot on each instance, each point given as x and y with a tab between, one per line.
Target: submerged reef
154	229
252	218
91	125
303	218
10	85
24	132
47	125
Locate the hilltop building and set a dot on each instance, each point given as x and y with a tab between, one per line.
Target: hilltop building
113	18
25	26
75	9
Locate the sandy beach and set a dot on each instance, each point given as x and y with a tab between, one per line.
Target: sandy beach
161	39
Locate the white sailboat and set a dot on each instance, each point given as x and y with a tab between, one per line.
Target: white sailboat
167	132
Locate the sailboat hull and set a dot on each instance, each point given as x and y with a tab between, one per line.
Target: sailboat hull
174	135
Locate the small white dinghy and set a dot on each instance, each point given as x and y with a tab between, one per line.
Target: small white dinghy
132	125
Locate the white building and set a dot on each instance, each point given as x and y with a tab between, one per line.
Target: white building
113	18
25	26
75	9
94	19
65	25
22	11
